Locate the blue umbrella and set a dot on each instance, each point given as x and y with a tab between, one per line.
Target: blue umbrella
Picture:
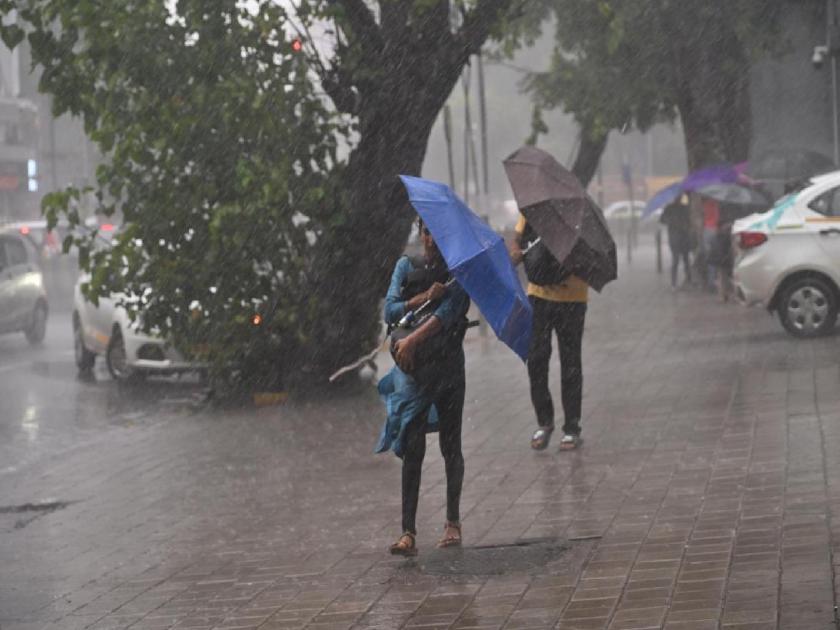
478	259
662	198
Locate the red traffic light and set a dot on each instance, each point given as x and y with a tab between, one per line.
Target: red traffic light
297	44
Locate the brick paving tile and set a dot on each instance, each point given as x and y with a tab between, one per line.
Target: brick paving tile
706	495
711	624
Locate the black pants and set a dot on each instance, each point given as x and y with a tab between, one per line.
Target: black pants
676	256
566	319
449	401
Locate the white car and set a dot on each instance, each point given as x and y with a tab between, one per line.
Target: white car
23	299
788	258
106	330
621	209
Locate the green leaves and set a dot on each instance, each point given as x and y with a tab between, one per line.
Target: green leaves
201	116
644	61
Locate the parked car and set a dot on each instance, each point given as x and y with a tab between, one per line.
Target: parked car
106	330
618	216
23	299
621	209
788	258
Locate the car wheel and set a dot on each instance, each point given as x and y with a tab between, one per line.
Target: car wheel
37	324
84	357
808	307
117	359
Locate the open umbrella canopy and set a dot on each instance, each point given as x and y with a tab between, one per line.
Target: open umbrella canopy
662	198
569	223
716	174
477	257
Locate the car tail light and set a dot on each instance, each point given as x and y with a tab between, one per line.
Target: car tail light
24	230
748	240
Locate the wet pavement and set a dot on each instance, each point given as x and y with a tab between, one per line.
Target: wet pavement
703	497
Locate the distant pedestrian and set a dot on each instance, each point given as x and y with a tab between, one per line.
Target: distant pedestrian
677	219
559	307
711	219
424	392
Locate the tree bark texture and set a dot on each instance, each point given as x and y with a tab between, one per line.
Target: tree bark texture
400	73
590	150
712	88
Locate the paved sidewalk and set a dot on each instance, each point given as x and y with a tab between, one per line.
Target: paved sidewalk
703	497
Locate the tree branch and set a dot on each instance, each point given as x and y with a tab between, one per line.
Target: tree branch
479	22
365	32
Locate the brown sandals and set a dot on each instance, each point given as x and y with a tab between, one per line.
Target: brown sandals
405	546
449	539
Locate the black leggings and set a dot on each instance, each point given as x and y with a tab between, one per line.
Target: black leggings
449	402
566	320
676	257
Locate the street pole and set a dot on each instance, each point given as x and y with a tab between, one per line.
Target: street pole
627	176
485	188
447	136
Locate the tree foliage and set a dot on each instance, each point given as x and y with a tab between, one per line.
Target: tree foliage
631	63
251	179
217	146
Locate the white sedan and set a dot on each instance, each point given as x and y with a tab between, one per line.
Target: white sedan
106	330
788	258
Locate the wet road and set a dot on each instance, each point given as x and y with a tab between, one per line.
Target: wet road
46	408
706	494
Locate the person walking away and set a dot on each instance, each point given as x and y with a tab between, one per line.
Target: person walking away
677	219
424	392
711	219
559	303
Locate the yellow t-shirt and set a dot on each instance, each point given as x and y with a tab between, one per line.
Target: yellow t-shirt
572	289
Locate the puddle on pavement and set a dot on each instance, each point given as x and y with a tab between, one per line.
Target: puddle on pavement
19	516
530	556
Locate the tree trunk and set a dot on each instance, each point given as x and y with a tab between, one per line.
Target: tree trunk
356	259
714	102
592	146
401	72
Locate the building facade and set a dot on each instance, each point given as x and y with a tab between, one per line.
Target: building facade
39	153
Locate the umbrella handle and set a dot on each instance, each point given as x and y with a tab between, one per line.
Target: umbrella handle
412	315
531	245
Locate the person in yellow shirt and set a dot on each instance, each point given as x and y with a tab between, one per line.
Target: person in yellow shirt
559	303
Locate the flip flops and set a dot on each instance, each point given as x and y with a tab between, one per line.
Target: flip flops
541	438
569	442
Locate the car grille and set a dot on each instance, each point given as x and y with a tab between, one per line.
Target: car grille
150	352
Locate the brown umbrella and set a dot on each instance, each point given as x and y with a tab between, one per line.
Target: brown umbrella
569	223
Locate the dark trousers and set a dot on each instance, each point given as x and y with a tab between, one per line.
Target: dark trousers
449	401
566	319
675	264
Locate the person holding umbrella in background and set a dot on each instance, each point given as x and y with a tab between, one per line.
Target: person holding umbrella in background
564	241
559	308
676	218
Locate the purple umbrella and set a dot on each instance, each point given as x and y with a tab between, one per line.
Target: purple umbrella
717	174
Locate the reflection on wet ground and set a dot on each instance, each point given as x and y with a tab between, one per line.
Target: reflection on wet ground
702	497
46	406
